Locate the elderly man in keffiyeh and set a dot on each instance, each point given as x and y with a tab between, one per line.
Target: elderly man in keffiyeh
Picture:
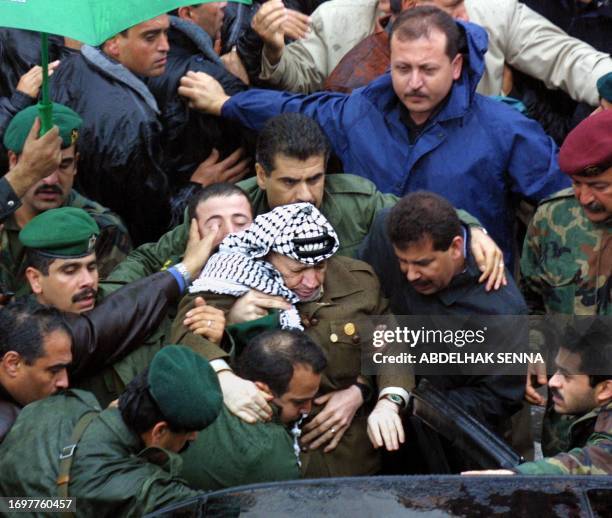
290	252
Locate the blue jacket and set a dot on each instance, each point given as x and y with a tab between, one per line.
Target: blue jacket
476	152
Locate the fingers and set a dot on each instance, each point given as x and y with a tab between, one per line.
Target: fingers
374	435
297	25
336	438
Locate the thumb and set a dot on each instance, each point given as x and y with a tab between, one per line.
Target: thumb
199	302
323	399
194	232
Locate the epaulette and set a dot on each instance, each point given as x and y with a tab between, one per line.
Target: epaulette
559	195
348	184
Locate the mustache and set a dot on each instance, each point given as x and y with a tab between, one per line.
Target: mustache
596	208
49	189
555	394
415	94
84	294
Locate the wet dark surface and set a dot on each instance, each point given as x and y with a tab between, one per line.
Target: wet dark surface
419	496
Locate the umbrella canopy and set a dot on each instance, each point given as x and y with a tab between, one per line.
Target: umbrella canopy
89	21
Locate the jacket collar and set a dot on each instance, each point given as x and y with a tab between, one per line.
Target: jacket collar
196	35
599	418
118	72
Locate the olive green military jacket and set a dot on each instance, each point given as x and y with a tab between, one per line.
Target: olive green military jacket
591	453
231	452
113	244
351	294
566	264
111	474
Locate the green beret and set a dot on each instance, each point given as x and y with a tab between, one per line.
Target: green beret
63	117
62	233
604	87
185	387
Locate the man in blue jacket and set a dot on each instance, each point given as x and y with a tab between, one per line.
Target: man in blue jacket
422	126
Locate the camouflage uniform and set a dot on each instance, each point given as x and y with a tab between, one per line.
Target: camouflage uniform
591	448
112	247
566	265
566	268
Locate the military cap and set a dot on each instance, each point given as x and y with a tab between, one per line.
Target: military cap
63	117
185	387
64	232
588	147
604	87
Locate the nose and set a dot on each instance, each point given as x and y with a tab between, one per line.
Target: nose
304	194
52	179
62	380
310	278
412	273
555	381
415	81
306	407
192	436
584	194
164	45
88	278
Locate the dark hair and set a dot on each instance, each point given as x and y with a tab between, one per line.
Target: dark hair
591	338
139	410
423	214
223	189
36	260
24	323
293	135
271	357
418	22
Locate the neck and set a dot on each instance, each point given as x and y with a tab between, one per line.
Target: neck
420	118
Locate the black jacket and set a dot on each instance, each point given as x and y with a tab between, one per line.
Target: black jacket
121	160
189	136
109	332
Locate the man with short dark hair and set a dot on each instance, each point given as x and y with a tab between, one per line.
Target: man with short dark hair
35	353
407	130
121	138
120	461
420	252
581	387
286	365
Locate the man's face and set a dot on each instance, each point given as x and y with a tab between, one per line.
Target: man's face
594	193
209	17
48	374
570	390
229	213
71	285
52	191
455	8
293	181
422	73
302	389
303	280
427	270
144	49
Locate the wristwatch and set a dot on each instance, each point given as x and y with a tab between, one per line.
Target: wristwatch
366	391
394	398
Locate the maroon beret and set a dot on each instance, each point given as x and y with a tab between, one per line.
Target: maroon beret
588	145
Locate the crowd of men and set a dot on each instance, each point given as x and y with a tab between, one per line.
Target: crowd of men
256	185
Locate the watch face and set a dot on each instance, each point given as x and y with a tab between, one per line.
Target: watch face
395	398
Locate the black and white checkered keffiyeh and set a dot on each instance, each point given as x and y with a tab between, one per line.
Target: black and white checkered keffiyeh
298	231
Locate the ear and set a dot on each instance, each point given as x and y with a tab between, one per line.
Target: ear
261	176
263	387
184	13
33	276
111	47
11	361
457	65
158	432
603	392
456	248
13	159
